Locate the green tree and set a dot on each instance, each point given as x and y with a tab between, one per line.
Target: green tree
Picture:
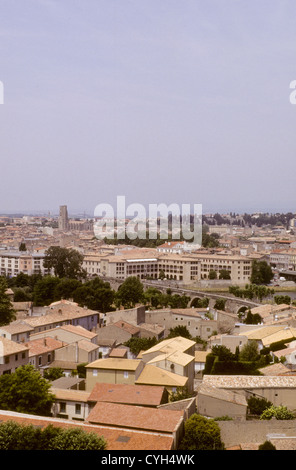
282	299
136	345
44	290
261	272
201	434
179	330
223	353
65	262
180	394
20	295
224	274
130	292
258	405
77	439
53	373
65	288
7	312
95	295
220	304
200	302
26	391
277	412
22	247
212	275
249	352
14	436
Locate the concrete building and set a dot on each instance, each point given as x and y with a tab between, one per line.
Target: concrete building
196	320
14	262
70	404
185	267
12	356
216	402
113	371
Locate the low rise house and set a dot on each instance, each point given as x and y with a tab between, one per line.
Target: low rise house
64	313
200	361
280	390
42	351
82	351
267	335
12	355
113	371
137	395
155	376
216	402
139	418
120	331
175	355
117	438
70	404
68	334
18	331
274	313
169	364
230	341
105	347
197	320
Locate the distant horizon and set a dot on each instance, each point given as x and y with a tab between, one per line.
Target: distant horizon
88	213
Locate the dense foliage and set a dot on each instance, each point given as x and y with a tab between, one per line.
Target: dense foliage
14	436
201	434
26	391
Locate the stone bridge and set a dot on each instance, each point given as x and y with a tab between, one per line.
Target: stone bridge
232	304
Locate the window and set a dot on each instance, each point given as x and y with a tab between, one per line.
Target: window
95	372
77	409
62	407
125	374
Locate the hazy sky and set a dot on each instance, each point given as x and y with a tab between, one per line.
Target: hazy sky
161	101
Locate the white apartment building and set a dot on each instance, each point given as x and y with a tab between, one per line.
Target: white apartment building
180	267
14	262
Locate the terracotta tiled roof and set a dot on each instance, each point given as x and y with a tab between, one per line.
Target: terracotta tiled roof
117	439
11	347
127	394
135	417
43	345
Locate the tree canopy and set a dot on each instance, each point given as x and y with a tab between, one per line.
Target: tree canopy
65	262
26	391
7	312
14	436
201	434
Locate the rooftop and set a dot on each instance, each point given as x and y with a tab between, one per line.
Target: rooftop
144	395
135	417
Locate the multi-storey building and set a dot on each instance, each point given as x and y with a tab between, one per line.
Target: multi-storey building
14	262
283	259
150	264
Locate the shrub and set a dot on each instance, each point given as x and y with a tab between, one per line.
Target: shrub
258	405
201	434
14	436
267	445
278	412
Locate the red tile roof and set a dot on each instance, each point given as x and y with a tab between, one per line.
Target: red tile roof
117	439
135	417
143	395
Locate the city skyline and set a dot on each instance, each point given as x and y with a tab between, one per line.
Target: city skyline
163	102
